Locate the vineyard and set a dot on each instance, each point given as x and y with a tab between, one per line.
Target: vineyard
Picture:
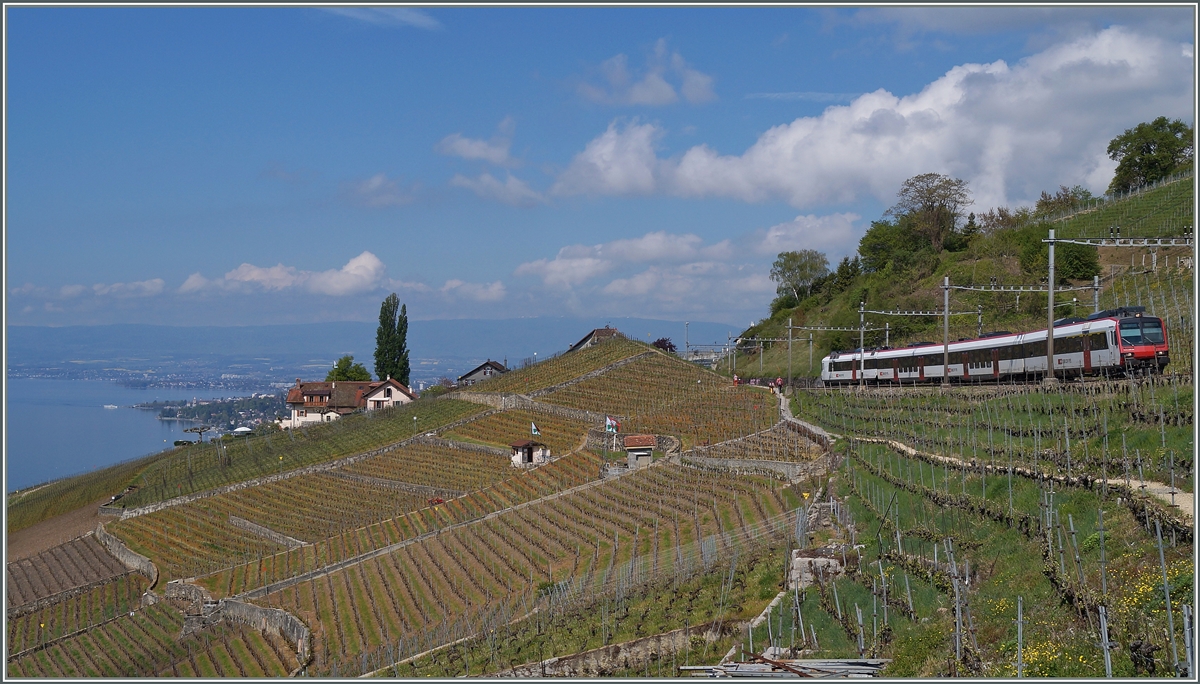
663	395
651	513
562	368
209	465
502	429
62	568
1139	430
780	443
145	643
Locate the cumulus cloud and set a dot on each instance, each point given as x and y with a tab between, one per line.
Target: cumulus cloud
512	190
141	288
651	86
387	16
621	161
577	264
808	232
480	292
363	273
1011	131
378	191
494	151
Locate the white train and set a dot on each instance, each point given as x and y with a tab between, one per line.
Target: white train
1108	342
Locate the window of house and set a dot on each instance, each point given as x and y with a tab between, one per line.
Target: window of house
387	393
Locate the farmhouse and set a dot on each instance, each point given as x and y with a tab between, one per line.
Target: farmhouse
482	372
596	337
321	402
529	453
639	449
387	394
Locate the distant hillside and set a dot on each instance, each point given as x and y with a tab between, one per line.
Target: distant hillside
1013	256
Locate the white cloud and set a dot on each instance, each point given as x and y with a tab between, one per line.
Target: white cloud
141	288
378	191
1011	131
512	191
575	265
278	277
387	16
488	292
194	283
71	291
363	273
565	271
619	162
651	87
494	151
808	232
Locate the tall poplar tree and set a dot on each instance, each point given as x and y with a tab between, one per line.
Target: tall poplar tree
391	341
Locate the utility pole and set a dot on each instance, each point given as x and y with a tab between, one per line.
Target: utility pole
789	385
946	332
1095	294
862	351
1050	379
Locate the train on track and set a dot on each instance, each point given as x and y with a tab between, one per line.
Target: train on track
1113	342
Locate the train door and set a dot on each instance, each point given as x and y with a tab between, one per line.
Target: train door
1087	352
995	363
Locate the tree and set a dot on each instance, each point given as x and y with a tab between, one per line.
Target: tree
1150	152
391	341
935	203
1065	198
665	344
346	369
795	271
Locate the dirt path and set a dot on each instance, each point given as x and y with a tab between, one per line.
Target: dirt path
57	530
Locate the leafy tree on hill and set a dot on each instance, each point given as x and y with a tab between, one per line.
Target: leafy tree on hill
1065	198
665	344
345	369
796	271
391	341
935	203
1150	152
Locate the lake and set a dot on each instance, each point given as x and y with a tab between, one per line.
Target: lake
57	428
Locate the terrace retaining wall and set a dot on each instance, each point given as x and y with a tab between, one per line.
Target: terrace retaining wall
129	558
273	620
509	401
788	470
265	532
637	654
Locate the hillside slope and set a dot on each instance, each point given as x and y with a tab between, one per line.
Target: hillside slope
1126	277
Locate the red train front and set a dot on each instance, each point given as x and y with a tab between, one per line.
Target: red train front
1142	341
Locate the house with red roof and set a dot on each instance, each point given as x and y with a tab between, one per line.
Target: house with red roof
323	402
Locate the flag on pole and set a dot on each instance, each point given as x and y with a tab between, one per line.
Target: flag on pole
533	428
611	425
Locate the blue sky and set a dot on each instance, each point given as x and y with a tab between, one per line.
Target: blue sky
232	166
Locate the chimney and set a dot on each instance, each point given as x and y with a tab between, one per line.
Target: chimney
297	382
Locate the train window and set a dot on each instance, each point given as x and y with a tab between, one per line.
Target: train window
1152	332
1131	332
1099	341
839	366
1068	345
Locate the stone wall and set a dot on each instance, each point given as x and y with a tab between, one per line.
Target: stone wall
265	532
781	469
132	560
271	620
634	655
